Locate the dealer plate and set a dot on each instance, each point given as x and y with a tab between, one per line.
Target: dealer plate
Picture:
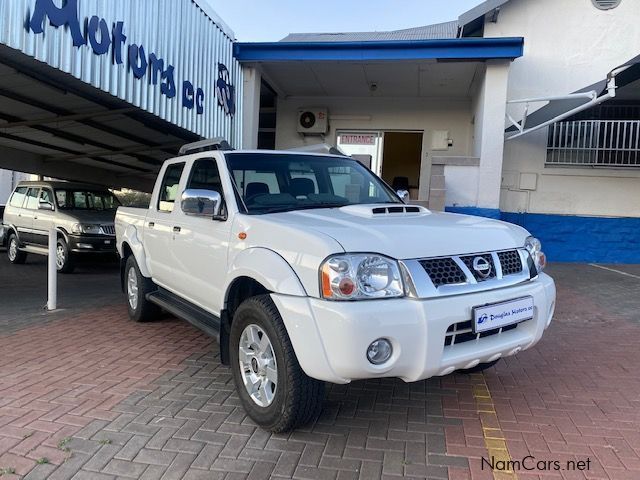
496	315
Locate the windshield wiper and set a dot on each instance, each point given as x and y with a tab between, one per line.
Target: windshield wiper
293	208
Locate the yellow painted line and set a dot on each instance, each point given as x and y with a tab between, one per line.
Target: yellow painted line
494	439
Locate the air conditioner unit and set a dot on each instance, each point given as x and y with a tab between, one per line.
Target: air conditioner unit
313	121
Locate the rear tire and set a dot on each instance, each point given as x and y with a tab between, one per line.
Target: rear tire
14	254
294	399
137	287
480	367
64	261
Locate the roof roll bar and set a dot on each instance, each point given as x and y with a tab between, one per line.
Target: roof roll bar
319	148
592	96
216	143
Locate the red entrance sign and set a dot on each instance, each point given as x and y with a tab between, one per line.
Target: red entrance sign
357	139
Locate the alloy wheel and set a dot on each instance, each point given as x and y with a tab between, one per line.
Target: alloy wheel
61	256
132	288
13	249
258	365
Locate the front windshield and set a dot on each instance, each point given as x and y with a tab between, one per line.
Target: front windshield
272	182
72	199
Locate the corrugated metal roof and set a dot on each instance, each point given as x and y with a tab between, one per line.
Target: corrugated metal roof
427	32
207	8
182	33
479	11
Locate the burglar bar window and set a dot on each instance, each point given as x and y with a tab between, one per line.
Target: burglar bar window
600	142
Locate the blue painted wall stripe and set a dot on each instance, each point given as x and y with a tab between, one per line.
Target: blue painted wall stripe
478	212
456	48
567	238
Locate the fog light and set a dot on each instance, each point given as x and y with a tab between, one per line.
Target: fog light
85	245
379	351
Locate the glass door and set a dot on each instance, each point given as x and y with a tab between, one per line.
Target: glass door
364	146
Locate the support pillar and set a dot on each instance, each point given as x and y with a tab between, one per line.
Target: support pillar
251	107
489	129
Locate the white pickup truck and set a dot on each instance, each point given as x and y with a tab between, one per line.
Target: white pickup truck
308	268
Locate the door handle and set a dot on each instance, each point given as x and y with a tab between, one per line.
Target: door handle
176	229
151	224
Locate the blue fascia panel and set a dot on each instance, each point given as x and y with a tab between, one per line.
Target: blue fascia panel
574	238
449	49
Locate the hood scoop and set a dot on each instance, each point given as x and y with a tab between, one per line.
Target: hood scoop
378	211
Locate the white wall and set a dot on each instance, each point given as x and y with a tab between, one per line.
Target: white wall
462	185
8	180
569	44
415	114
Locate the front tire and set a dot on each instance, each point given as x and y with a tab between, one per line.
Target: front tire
273	388
14	254
64	262
137	287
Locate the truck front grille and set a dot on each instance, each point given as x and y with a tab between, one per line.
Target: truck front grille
108	229
468	261
462	332
443	271
510	262
451	270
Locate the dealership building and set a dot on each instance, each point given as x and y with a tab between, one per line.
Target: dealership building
523	110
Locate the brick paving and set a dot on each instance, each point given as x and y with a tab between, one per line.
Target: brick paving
23	290
92	395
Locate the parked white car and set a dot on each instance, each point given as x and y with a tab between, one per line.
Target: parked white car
308	268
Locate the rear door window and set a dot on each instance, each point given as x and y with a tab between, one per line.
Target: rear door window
169	187
46	196
32	199
17	199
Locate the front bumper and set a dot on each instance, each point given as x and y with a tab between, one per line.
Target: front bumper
331	338
92	243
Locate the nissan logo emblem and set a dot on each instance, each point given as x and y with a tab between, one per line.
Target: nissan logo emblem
482	266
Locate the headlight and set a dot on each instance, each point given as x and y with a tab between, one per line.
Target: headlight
534	247
360	276
86	228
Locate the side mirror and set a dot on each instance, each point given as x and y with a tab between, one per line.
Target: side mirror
45	206
201	203
403	194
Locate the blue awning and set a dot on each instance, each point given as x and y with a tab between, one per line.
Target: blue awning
446	49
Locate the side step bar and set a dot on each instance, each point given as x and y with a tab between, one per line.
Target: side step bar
196	316
35	250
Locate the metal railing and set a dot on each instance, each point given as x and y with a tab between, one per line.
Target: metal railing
595	143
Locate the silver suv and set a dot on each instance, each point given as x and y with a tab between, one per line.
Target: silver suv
82	215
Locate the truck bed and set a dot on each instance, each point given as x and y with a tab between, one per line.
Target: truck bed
126	216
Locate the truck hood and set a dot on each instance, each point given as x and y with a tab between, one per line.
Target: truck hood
102	217
407	235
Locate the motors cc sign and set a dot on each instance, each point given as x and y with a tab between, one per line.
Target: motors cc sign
141	61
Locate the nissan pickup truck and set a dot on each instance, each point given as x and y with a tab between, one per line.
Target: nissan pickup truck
307	268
